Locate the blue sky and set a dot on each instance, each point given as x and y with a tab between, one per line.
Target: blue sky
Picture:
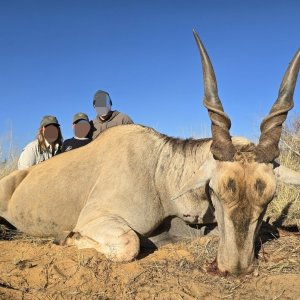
54	55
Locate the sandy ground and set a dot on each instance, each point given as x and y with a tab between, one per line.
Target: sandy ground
38	269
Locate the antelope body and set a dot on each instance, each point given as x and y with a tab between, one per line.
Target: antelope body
109	200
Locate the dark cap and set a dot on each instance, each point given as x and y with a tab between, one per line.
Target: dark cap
98	95
80	116
47	120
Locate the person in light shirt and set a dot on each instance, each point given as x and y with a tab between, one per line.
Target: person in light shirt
47	144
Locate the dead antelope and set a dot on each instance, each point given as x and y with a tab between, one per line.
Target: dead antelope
111	200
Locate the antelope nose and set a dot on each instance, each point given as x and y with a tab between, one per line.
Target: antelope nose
236	269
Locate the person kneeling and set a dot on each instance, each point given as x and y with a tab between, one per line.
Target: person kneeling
81	127
47	144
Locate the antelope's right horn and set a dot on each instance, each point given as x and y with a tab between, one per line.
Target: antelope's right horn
222	146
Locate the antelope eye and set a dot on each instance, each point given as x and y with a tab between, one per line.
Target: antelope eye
260	186
210	190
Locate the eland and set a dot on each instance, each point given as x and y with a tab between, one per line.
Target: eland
110	201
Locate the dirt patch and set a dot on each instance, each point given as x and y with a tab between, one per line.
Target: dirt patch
38	269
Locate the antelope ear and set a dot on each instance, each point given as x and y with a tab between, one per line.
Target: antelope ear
286	175
199	179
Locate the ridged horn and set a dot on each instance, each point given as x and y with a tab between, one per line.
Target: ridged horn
222	147
267	149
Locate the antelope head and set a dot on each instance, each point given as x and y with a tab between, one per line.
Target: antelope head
242	180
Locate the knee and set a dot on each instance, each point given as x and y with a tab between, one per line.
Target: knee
124	248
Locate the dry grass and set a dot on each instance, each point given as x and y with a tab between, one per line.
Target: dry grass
8	154
284	210
175	271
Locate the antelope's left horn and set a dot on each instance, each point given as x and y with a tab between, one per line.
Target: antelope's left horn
267	149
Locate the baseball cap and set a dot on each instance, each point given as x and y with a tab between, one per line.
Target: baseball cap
80	116
47	120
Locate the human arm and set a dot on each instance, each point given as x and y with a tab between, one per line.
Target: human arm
27	158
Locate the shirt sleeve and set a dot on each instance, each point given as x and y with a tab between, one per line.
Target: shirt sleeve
27	158
127	120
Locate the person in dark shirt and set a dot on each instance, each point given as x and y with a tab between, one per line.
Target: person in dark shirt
81	127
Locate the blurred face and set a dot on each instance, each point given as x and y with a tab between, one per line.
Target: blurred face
51	133
102	104
81	128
